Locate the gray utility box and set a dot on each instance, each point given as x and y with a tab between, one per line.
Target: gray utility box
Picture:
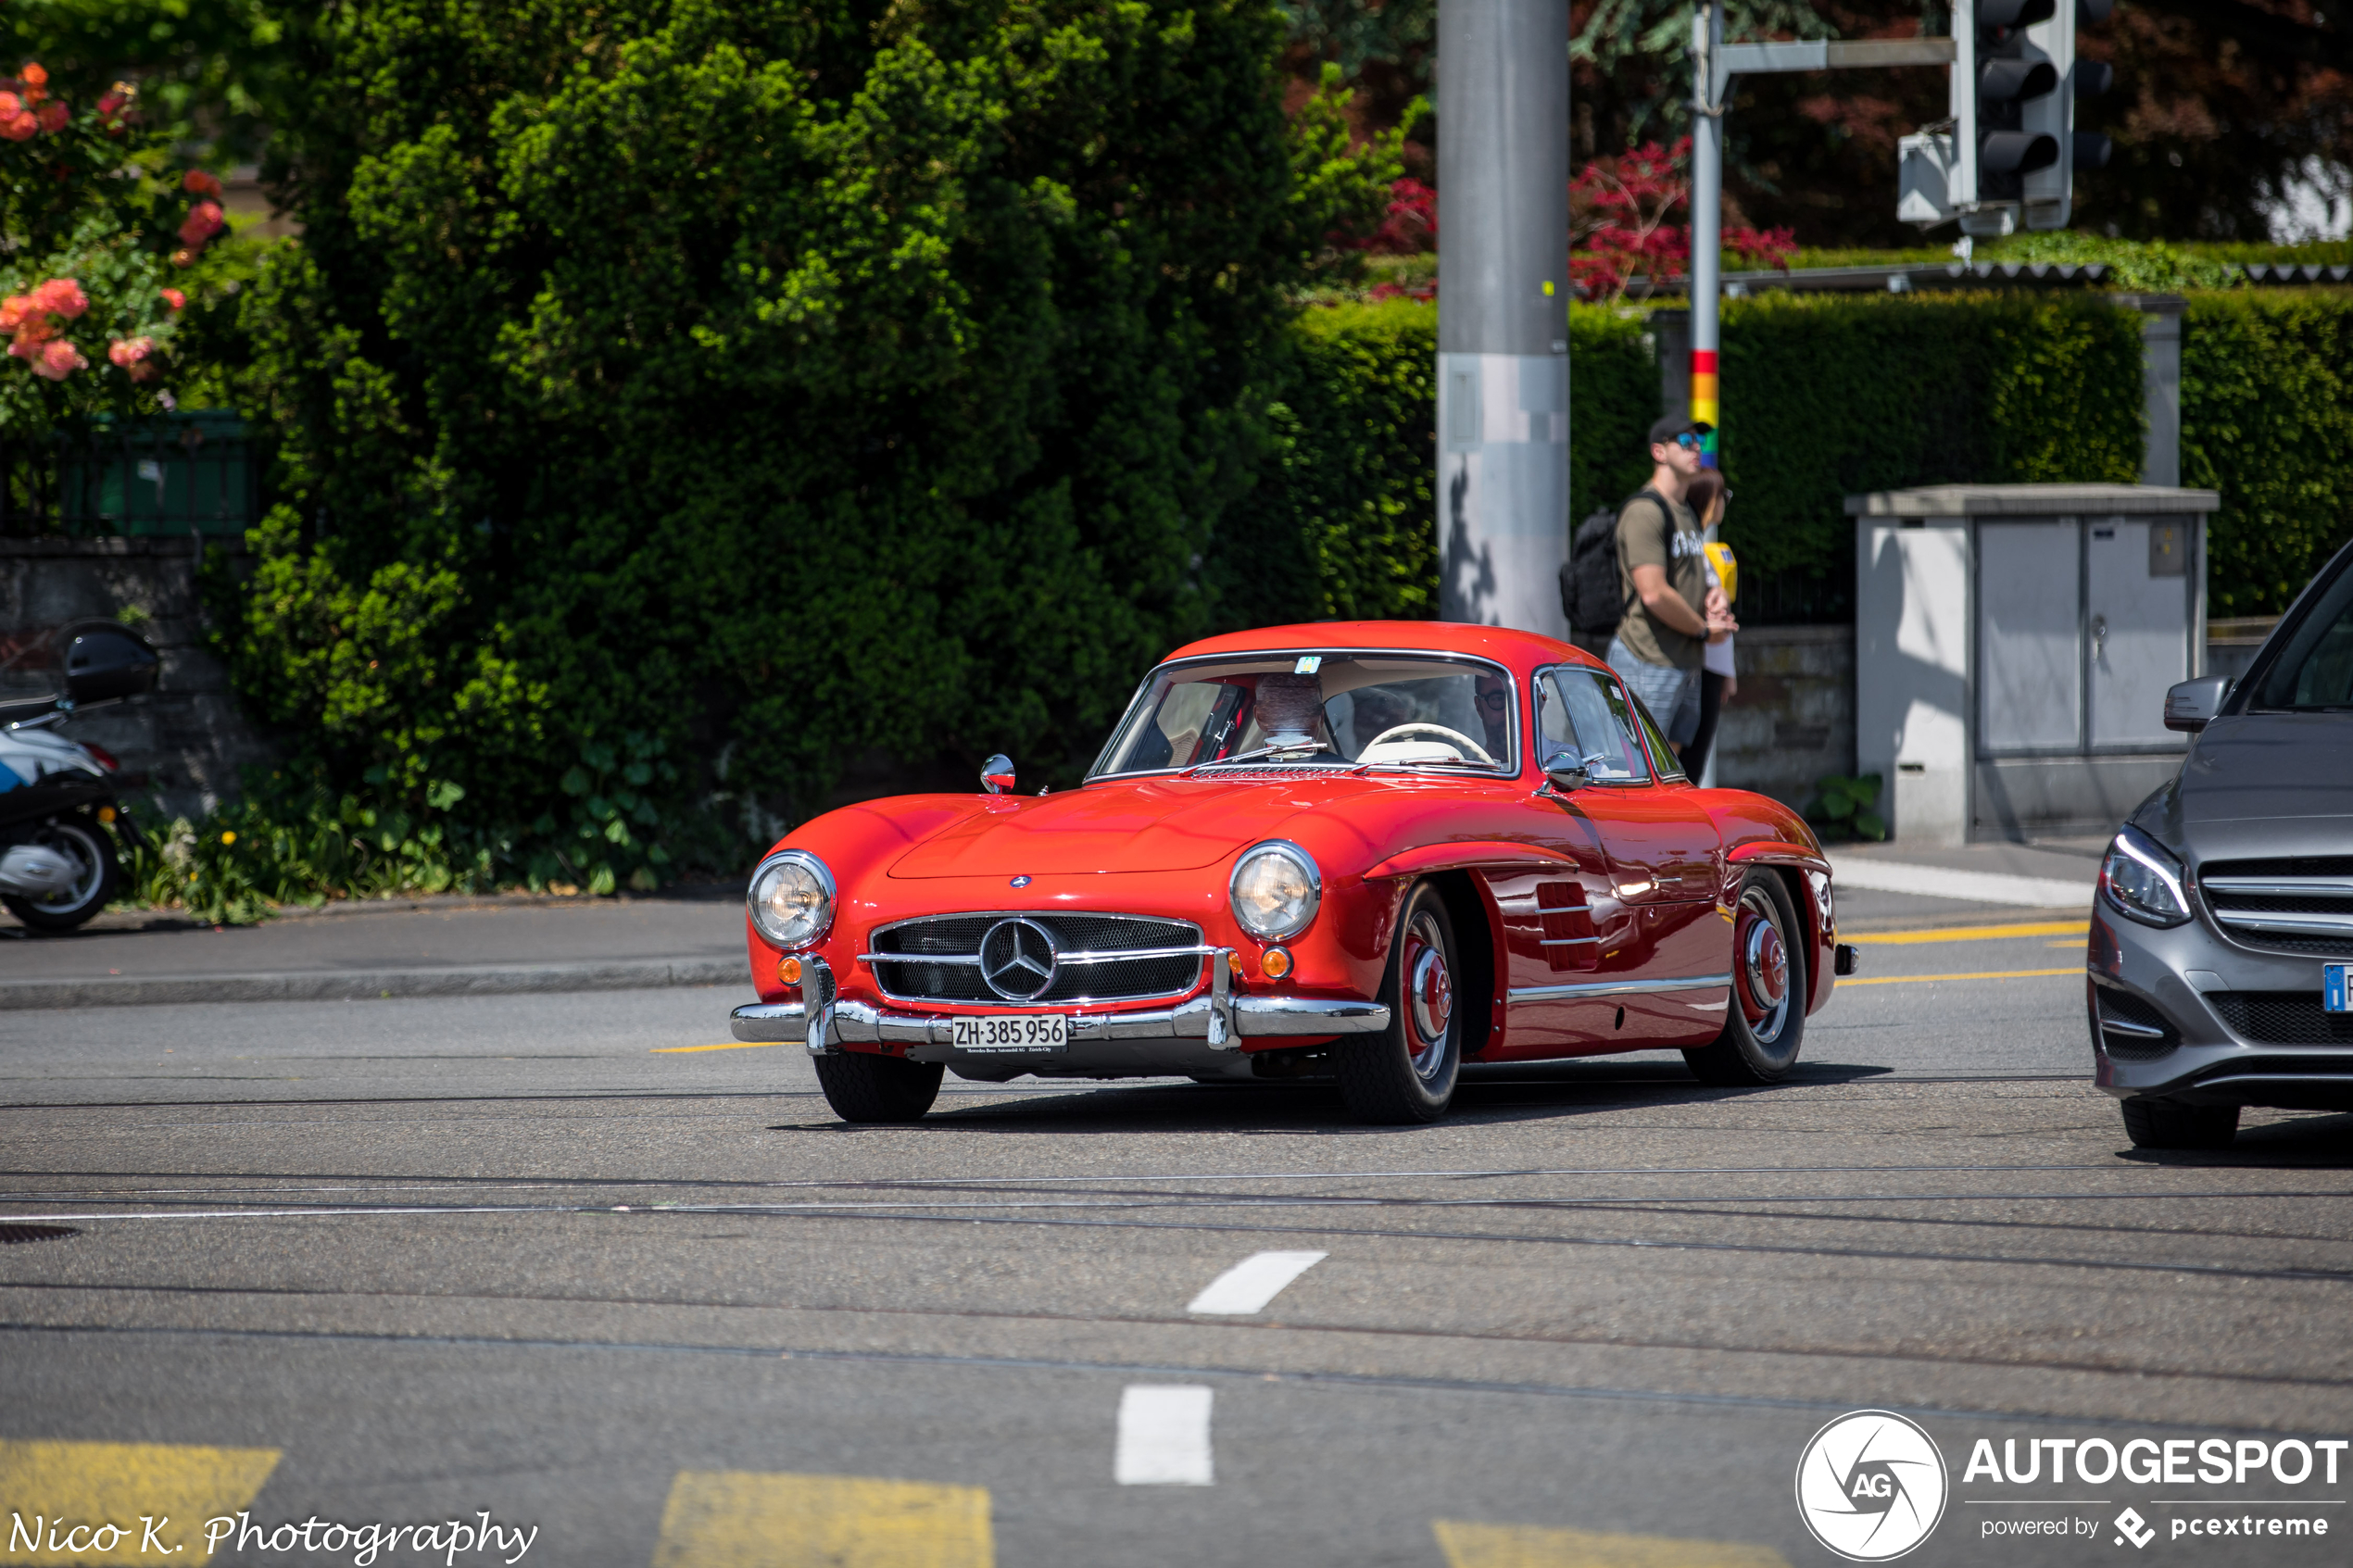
2013	643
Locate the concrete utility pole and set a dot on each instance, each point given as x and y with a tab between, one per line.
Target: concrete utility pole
1503	318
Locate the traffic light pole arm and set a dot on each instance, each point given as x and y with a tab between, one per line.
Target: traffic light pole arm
1749	59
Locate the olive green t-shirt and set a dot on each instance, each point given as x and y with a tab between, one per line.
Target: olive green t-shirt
1670	538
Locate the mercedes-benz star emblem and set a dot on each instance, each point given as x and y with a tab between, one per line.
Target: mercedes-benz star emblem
1019	960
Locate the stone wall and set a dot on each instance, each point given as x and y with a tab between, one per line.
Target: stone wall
1792	719
189	737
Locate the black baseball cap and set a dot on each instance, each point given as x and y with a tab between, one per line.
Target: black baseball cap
1665	428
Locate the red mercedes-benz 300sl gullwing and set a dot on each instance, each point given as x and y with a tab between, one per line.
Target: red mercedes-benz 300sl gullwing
1366	852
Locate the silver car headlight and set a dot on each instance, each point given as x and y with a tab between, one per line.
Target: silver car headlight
1276	891
2143	882
791	898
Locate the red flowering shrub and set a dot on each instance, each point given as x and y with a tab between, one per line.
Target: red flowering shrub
205	220
89	222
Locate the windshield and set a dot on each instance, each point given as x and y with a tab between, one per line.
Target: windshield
1339	708
2315	670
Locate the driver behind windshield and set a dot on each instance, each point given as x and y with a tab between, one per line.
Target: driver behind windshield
1496	712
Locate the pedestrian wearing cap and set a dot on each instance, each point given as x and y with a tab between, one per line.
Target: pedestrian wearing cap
1661	641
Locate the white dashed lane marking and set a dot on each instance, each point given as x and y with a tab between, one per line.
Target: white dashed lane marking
1251	1284
1164	1436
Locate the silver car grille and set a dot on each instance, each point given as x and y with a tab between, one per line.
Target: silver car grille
2282	1018
2293	905
1098	957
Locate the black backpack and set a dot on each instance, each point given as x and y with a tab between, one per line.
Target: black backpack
1591	596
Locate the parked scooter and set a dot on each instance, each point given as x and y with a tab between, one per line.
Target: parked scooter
58	797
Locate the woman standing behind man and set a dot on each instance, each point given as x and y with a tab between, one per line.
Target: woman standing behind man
1707	495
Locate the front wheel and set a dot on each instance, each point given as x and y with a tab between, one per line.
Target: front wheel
868	1088
1407	1072
97	876
1765	1022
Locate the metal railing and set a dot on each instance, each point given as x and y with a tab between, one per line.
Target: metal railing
181	474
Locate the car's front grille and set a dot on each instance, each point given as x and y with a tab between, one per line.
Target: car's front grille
2145	1035
2282	1018
2298	905
1087	967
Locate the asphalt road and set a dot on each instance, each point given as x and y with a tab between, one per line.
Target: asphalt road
548	1259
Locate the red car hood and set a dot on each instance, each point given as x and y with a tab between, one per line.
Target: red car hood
1165	825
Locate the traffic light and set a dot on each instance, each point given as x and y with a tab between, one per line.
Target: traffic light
2016	82
2049	190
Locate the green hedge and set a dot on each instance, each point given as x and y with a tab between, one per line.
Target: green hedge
1826	395
2267	416
1341	521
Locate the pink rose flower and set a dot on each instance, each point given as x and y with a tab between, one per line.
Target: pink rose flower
58	360
205	220
62	295
54	116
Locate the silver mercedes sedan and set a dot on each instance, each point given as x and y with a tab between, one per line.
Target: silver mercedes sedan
2223	934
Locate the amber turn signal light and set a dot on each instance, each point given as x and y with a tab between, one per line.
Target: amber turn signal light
788	970
1276	964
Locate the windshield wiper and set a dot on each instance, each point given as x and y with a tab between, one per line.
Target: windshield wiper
1295	753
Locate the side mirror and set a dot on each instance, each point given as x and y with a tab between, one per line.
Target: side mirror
104	662
1567	776
2191	705
996	774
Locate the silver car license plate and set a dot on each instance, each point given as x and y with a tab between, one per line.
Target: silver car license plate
1013	1033
2336	981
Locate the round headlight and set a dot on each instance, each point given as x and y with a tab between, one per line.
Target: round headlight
1276	890
791	898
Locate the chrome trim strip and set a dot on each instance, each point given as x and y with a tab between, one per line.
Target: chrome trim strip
1253	1016
2314	924
1308	1015
2131	1031
1107	956
1571	941
770	1022
1617	988
2280	887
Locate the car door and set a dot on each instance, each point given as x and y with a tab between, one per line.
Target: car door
1653	970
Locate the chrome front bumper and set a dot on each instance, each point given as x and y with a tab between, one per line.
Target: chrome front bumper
1199	1020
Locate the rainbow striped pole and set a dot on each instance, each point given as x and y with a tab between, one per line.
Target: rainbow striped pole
1707	219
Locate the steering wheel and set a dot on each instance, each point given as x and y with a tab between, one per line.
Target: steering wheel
1454	738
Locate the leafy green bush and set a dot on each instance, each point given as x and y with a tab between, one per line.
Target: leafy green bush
801	385
1845	808
2267	416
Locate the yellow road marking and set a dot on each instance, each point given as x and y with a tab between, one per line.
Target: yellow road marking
2071	942
1970	933
730	1046
67	1486
740	1519
1528	1545
1981	974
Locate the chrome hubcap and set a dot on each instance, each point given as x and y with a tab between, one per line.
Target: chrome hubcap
1761	957
1430	996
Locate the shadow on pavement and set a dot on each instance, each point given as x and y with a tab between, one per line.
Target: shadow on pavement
1497	1094
2313	1141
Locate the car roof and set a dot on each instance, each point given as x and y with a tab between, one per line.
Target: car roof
1506	645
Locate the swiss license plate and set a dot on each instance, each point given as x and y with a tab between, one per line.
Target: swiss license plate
2336	981
1013	1031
